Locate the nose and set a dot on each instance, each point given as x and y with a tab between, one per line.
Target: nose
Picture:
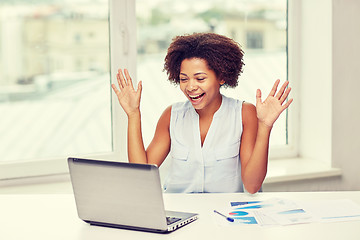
192	85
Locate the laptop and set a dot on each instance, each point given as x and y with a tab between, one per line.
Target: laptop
122	195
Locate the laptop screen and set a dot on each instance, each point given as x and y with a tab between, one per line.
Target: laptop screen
118	193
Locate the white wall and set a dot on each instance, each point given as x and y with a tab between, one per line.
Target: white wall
337	138
346	87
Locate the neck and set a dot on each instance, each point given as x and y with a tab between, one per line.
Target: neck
211	109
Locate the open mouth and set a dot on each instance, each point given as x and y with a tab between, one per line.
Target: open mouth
196	97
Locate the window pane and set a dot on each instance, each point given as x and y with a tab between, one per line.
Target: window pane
54	79
259	26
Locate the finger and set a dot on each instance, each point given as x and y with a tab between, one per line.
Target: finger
140	86
287	104
121	79
117	92
139	90
273	90
128	78
258	97
282	89
285	95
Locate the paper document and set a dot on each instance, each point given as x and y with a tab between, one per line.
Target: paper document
334	210
278	211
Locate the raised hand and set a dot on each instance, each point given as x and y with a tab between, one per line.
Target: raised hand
269	110
129	99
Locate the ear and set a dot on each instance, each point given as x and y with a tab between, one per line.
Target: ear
222	82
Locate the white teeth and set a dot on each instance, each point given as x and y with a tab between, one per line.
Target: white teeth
196	96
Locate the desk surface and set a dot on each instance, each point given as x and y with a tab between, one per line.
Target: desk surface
55	217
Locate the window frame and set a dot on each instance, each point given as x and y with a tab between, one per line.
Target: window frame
121	29
122	24
291	150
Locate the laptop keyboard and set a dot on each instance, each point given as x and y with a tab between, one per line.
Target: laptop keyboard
171	220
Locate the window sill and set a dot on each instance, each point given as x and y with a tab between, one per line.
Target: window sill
297	169
279	171
50	184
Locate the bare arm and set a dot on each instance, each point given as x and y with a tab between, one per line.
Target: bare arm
159	147
129	100
257	123
254	149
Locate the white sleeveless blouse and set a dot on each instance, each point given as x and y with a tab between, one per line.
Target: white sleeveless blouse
213	167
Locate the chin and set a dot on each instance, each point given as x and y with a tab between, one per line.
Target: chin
198	107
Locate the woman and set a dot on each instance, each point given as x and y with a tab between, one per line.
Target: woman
217	144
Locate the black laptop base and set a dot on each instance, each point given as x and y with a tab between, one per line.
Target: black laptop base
100	224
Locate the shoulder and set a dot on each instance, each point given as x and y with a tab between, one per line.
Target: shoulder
180	106
180	110
164	120
232	102
173	110
249	113
165	116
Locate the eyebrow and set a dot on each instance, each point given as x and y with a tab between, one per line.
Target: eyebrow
194	74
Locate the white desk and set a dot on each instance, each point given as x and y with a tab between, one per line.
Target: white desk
54	217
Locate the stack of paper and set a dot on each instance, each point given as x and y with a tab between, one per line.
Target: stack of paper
278	211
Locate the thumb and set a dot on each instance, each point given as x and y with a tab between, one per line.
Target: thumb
258	96
139	89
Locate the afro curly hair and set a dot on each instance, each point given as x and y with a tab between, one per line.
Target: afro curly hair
223	55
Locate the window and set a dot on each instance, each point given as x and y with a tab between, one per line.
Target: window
55	84
259	26
55	71
254	40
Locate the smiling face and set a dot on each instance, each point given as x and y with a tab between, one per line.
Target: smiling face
200	85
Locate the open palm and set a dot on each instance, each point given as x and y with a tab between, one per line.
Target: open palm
269	110
128	97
